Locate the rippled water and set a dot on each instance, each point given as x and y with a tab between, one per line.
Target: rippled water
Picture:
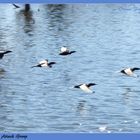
106	38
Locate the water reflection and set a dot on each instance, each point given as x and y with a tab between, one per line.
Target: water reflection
26	20
81	107
25	25
55	17
58	24
56	9
2	72
127	95
29	20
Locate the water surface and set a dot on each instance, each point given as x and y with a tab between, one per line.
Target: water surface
106	38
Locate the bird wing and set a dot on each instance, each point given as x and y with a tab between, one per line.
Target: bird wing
133	69
72	52
38	65
16	6
91	84
51	63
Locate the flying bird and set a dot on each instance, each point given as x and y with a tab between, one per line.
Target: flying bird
129	71
85	87
2	53
65	51
44	63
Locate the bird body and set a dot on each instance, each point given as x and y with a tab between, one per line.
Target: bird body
65	51
44	63
129	71
2	53
85	87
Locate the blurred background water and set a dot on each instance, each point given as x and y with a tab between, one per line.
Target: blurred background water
106	38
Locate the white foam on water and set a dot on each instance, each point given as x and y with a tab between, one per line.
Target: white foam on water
102	128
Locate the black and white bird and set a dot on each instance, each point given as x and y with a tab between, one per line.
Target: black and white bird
2	53
44	63
65	51
130	71
85	87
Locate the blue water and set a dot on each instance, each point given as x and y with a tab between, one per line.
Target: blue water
106	38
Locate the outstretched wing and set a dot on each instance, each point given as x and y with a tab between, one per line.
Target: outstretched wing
51	63
91	84
3	52
72	52
39	65
133	69
77	86
16	6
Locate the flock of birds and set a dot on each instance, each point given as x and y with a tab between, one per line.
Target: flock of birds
64	51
